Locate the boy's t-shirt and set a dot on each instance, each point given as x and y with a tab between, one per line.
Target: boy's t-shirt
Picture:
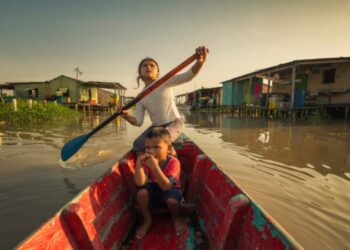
171	169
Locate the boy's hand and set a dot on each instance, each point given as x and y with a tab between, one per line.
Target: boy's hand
141	159
149	160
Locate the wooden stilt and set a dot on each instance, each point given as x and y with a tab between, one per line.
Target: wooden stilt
14	104
346	112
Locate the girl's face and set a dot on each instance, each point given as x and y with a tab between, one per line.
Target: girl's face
157	147
149	70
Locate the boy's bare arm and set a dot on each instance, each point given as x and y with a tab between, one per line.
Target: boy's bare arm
140	176
162	180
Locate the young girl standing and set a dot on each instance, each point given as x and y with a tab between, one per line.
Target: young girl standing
160	103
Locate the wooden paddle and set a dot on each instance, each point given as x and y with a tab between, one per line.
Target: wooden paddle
71	147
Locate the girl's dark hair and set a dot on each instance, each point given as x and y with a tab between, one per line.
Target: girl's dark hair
159	132
139	69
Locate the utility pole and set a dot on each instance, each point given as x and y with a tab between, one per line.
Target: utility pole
78	72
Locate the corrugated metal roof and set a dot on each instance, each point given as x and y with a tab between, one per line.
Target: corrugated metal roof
5	86
291	64
97	84
14	83
106	85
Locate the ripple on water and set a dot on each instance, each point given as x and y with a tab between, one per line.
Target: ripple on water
89	157
23	195
326	166
296	176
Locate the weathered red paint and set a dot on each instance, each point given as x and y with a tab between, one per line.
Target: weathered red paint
101	217
52	236
161	236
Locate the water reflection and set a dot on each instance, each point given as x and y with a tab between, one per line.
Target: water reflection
324	147
299	172
33	176
264	137
51	134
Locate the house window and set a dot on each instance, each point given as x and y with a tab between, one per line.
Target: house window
66	94
328	76
33	93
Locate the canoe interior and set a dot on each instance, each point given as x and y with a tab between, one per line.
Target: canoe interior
103	216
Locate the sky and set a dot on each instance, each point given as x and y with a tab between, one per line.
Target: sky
40	40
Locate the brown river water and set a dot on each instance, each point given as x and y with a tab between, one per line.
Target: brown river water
299	172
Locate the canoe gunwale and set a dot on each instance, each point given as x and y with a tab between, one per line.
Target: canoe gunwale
206	184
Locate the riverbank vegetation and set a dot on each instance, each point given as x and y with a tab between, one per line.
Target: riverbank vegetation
37	112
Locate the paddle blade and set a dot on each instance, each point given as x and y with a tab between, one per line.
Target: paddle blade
71	147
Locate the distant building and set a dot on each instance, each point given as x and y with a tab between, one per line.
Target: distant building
295	84
204	97
104	97
74	91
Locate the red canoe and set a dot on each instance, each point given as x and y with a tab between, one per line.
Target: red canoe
103	215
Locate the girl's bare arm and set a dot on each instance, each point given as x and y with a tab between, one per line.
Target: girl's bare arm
129	118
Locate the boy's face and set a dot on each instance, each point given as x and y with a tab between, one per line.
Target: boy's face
157	147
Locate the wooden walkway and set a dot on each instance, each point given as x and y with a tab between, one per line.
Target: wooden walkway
331	111
89	108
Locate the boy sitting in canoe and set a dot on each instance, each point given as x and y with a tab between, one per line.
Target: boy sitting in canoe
157	175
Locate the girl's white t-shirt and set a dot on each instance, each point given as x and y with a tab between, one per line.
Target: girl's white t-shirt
160	103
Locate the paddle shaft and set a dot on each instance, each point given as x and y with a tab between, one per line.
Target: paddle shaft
145	92
71	147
